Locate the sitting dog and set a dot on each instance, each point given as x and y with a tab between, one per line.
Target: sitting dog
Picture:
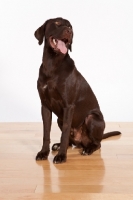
65	92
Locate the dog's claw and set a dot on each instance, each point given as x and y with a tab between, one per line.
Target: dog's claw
83	153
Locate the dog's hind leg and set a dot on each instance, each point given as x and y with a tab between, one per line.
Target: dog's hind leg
94	129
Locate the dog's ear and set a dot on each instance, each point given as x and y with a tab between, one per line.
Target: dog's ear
40	33
70	47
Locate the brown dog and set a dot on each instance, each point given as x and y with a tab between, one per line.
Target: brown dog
64	91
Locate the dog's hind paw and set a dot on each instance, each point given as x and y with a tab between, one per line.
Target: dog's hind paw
59	158
56	147
42	155
89	150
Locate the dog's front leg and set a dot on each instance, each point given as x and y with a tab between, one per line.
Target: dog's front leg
46	117
67	121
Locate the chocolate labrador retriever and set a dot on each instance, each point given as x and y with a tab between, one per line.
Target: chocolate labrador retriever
65	92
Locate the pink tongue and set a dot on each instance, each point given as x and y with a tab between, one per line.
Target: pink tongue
61	45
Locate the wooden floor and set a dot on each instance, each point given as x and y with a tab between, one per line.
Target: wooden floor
105	175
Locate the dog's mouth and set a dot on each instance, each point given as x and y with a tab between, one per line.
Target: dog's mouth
59	44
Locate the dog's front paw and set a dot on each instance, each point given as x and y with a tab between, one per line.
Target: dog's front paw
42	155
59	158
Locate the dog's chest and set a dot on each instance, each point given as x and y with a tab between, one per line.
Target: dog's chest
49	89
51	96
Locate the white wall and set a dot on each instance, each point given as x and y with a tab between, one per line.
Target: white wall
102	50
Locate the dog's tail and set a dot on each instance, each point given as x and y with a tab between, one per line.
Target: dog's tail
110	134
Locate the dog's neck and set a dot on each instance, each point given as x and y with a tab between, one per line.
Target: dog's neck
51	60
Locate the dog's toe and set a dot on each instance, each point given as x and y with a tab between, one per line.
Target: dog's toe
59	158
42	155
87	151
83	153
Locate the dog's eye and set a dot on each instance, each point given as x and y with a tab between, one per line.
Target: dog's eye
69	26
58	23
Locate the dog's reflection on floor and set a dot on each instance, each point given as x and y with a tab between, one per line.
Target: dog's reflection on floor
79	174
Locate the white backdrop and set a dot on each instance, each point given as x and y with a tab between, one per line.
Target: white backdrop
102	50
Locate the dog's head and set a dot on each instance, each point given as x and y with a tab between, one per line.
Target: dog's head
58	34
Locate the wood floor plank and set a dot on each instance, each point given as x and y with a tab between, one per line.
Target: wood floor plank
85	189
95	179
23	188
66	196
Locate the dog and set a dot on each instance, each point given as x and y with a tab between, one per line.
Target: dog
65	92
